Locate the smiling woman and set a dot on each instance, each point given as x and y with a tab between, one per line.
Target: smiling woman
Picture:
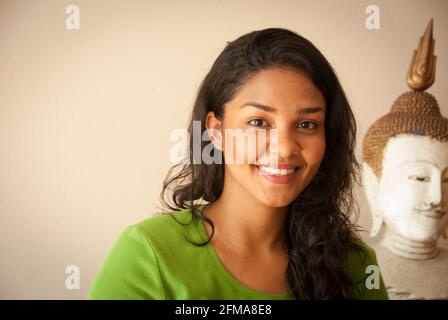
260	229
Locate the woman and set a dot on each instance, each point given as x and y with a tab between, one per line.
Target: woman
263	228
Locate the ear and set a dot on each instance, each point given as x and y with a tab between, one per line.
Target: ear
371	185
213	125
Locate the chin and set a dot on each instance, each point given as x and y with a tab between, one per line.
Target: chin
276	202
422	235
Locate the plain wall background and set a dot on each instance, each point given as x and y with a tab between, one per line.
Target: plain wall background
85	115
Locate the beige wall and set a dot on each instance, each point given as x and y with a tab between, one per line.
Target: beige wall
85	115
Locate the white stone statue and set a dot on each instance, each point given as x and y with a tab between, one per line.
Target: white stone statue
405	178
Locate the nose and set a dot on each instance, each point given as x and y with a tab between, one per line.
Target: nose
434	195
287	144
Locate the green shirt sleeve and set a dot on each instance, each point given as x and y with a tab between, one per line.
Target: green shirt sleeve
130	270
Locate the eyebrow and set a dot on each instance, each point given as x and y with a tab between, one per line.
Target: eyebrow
306	110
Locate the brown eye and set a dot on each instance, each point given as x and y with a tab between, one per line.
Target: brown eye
257	123
309	125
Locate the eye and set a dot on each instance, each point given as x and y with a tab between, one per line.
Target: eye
258	123
309	125
420	179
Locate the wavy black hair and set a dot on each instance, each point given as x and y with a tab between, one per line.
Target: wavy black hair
320	231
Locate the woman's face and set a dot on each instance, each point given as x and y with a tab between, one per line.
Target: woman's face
278	171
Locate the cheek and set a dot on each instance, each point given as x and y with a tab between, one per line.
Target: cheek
395	200
313	151
395	205
239	148
411	193
245	149
398	200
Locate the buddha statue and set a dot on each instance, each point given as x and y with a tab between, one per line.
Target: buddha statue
405	179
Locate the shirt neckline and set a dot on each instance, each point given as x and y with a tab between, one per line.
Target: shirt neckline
214	258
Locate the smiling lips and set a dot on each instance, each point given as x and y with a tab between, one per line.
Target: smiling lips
280	174
432	214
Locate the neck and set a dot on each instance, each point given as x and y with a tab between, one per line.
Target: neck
411	249
244	223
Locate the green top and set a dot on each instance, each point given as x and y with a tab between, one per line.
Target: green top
153	260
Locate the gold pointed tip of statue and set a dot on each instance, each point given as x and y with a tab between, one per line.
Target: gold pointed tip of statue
427	36
421	74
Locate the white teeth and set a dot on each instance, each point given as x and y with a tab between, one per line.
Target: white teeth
275	171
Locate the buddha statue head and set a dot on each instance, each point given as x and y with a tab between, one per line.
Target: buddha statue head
405	164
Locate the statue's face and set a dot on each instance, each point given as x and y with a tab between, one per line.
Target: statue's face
413	191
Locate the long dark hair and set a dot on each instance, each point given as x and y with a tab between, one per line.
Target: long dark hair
320	232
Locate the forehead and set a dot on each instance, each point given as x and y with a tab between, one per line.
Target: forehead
409	150
278	85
